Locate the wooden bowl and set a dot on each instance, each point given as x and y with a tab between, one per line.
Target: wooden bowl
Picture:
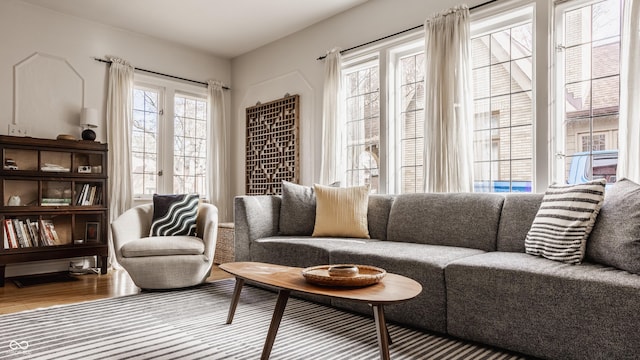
367	275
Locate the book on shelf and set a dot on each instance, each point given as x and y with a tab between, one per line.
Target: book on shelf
22	241
20	234
56	201
48	234
89	195
33	231
10	235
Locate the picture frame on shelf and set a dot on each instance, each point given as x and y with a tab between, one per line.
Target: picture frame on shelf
92	232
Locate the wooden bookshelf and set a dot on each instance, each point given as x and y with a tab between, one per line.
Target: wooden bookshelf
60	185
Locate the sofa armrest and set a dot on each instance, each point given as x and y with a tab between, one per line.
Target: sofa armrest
207	228
255	217
134	223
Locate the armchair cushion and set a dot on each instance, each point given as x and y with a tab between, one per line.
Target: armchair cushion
174	215
163	246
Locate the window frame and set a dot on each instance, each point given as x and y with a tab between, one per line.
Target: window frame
558	166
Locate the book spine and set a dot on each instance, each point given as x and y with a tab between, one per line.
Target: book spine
82	195
53	235
44	236
34	234
92	195
8	234
13	239
27	235
5	243
18	229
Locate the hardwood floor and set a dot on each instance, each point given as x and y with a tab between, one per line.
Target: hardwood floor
87	287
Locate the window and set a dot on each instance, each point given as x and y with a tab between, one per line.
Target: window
362	96
502	53
588	54
168	156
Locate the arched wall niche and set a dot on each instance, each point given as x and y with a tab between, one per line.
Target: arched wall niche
47	90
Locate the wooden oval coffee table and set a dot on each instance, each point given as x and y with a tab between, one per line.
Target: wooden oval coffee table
391	289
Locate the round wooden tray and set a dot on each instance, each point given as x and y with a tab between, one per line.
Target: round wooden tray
367	275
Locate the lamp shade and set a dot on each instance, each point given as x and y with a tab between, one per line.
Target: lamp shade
89	118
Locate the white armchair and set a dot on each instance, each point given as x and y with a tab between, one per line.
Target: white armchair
164	262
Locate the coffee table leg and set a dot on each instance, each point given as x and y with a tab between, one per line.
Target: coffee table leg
235	299
381	330
283	296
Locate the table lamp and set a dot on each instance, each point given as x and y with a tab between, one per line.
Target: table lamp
88	120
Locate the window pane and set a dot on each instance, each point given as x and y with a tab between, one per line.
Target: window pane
580	54
480	50
503	109
522	108
481	82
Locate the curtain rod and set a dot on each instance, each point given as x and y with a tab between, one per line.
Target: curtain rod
161	74
400	32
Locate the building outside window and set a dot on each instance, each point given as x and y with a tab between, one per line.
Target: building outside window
168	156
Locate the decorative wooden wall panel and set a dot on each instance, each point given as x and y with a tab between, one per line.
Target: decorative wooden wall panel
273	144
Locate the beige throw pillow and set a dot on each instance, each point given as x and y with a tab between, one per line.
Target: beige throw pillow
341	212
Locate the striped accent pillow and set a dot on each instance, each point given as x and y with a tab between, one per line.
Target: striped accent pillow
174	215
565	219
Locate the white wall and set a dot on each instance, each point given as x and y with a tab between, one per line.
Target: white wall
290	66
26	29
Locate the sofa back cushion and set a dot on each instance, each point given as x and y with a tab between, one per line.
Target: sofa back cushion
453	219
378	215
518	213
615	240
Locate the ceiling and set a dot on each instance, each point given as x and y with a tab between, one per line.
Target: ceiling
226	28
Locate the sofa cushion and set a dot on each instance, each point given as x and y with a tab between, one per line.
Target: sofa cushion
423	263
174	215
378	215
341	212
565	219
615	239
298	250
163	246
544	308
297	209
516	218
457	219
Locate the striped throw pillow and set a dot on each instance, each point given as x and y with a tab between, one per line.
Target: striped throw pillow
174	215
565	219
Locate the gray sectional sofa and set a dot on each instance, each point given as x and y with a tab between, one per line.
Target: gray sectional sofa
468	252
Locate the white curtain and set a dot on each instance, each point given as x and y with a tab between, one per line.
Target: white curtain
629	126
219	190
119	113
448	131
331	166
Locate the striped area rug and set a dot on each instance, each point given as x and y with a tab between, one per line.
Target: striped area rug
190	324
